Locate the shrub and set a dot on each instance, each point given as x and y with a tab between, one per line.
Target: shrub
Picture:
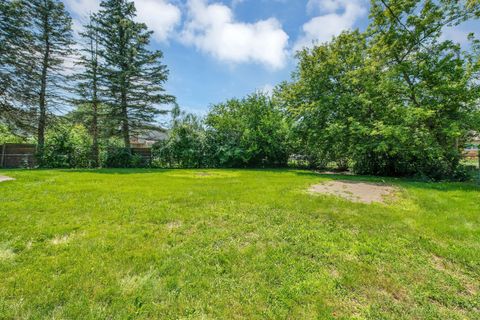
250	132
66	147
185	146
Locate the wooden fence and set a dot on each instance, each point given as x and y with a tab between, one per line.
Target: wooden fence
145	153
13	155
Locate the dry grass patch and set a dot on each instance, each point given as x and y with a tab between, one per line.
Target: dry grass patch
355	191
5	178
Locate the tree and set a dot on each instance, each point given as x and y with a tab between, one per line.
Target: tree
397	100
15	66
427	83
325	98
52	42
133	74
247	132
185	145
88	85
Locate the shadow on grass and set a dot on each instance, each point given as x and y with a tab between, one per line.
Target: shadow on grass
407	183
114	171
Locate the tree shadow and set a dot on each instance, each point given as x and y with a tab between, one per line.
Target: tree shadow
115	171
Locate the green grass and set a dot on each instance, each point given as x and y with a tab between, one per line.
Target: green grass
233	244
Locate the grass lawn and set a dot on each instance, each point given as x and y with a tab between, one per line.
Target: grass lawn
233	244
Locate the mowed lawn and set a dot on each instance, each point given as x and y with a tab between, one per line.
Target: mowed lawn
233	244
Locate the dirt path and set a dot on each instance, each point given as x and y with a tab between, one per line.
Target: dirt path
355	191
5	178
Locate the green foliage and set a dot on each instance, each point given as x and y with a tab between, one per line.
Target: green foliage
132	75
16	65
394	101
248	132
6	135
117	157
52	42
67	147
88	82
185	146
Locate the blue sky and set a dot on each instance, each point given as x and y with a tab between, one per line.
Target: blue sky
219	49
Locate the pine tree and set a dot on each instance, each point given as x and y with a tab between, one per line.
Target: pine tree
134	74
15	65
88	84
52	42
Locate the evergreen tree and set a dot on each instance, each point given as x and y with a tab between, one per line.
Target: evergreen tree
133	73
15	64
52	42
88	85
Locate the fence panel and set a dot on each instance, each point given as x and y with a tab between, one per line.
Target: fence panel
14	155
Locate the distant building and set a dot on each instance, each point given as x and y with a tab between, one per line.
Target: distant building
471	149
147	138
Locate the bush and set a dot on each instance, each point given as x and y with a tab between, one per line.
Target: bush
66	147
117	157
250	132
7	136
185	146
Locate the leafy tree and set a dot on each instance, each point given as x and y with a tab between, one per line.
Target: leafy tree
67	146
134	75
325	98
6	136
425	82
185	146
247	132
394	101
52	41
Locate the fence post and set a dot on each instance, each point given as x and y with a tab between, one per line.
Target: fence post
2	161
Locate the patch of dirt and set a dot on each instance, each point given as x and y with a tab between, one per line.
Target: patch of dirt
6	254
174	225
355	191
203	174
333	173
5	178
60	240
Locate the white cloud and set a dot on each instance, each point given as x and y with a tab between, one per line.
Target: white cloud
268	89
336	16
161	16
83	8
212	28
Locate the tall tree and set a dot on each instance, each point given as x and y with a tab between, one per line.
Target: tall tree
88	84
15	64
52	42
133	73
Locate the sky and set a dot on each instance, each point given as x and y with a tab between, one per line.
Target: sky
220	49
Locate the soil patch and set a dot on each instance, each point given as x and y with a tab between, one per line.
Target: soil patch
355	191
5	178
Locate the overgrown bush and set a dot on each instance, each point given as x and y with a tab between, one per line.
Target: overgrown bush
248	132
113	155
185	146
66	147
7	136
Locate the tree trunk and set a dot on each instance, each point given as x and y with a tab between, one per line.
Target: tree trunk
42	119
95	148
125	127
